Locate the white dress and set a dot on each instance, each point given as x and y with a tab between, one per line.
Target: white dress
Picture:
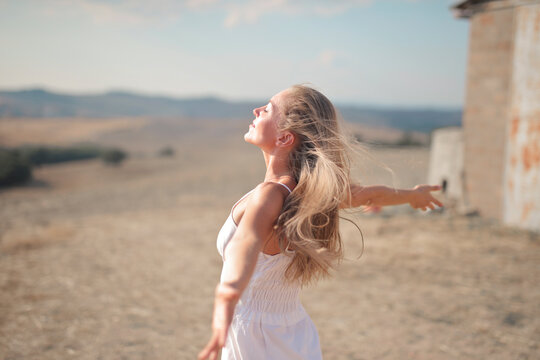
269	321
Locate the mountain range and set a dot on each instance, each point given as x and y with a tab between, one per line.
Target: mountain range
40	103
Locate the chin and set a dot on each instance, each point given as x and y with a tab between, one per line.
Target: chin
249	140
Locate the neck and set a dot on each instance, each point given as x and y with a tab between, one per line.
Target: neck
277	166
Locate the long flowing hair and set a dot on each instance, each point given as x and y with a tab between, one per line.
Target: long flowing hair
320	164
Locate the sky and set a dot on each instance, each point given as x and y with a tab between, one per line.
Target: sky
406	53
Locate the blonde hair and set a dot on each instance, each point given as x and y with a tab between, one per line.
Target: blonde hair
320	164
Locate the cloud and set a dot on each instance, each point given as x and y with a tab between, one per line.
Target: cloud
327	57
236	12
200	3
250	11
105	13
130	12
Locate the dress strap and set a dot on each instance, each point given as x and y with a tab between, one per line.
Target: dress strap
236	203
286	187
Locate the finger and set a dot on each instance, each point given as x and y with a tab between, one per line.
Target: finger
210	354
435	187
438	203
208	348
204	353
431	206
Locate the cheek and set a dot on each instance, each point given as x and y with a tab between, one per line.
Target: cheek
269	131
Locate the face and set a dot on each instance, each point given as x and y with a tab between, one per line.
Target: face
263	131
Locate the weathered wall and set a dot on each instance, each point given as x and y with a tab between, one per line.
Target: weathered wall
522	165
486	109
446	160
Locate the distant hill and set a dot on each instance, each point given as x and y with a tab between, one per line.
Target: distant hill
423	120
42	103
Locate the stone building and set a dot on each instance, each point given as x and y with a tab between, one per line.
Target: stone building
446	163
501	118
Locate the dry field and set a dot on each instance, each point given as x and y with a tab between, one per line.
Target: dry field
120	263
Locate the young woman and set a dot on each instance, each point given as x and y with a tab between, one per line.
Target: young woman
284	233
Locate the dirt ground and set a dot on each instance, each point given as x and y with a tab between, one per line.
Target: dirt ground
99	262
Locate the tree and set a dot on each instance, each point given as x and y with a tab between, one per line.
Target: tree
13	168
113	156
166	151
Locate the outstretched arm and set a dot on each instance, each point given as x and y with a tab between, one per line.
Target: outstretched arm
379	195
240	259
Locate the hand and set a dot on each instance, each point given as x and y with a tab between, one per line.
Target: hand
226	299
421	197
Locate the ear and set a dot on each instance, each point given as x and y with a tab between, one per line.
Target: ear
285	139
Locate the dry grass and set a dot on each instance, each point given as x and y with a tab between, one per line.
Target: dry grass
61	131
28	238
120	263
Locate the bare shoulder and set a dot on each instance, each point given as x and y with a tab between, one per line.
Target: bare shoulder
268	195
263	208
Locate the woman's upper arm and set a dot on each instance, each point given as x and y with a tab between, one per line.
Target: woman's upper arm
360	195
262	210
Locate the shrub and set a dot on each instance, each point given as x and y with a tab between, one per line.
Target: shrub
39	155
113	156
408	140
14	169
166	151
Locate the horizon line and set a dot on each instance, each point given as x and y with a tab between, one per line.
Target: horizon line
112	90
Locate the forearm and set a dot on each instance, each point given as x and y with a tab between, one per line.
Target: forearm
240	259
379	195
386	196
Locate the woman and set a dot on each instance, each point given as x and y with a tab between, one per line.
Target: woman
284	233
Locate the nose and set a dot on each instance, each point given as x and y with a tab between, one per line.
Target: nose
257	111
